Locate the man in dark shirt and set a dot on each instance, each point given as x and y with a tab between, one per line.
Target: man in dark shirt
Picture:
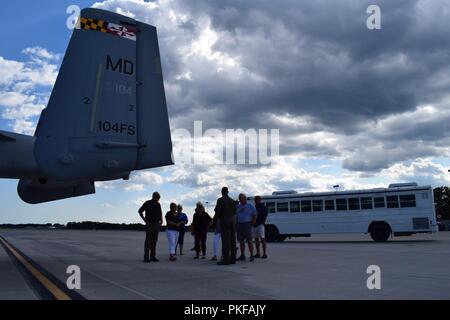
153	221
226	213
259	227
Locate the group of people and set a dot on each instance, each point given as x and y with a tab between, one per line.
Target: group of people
232	219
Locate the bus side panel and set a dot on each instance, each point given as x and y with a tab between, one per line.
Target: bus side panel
420	218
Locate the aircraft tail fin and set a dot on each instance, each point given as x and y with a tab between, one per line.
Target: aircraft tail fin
107	113
152	116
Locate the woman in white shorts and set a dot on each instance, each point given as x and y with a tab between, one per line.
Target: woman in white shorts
173	229
217	238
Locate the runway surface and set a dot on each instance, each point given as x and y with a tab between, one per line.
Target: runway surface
320	267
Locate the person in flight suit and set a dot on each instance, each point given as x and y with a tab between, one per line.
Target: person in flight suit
226	213
153	221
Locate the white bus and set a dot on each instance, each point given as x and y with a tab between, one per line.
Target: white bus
402	209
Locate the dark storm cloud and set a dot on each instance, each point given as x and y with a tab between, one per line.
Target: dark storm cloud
315	60
320	59
373	158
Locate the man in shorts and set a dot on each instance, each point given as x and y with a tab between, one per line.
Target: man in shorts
259	227
246	217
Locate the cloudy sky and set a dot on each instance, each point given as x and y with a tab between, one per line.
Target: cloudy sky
356	107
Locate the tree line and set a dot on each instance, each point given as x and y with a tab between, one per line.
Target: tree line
442	201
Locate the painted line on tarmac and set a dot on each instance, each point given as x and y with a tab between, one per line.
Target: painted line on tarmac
47	286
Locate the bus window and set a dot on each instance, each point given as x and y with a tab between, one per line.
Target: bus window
366	203
353	204
295	206
270	207
408	201
379	202
392	201
306	205
282	207
317	205
341	204
329	205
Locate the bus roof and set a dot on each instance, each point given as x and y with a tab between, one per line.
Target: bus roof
391	188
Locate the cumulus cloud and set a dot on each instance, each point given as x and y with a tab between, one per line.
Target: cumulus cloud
40	53
312	69
138	182
284	174
423	170
25	87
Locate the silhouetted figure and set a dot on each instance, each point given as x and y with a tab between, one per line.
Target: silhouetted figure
153	221
259	227
226	213
200	226
184	221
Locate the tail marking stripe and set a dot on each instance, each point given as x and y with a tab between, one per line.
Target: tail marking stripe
126	32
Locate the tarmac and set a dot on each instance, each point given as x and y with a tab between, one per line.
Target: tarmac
320	267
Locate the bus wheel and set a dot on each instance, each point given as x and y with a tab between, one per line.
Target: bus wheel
272	234
380	231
